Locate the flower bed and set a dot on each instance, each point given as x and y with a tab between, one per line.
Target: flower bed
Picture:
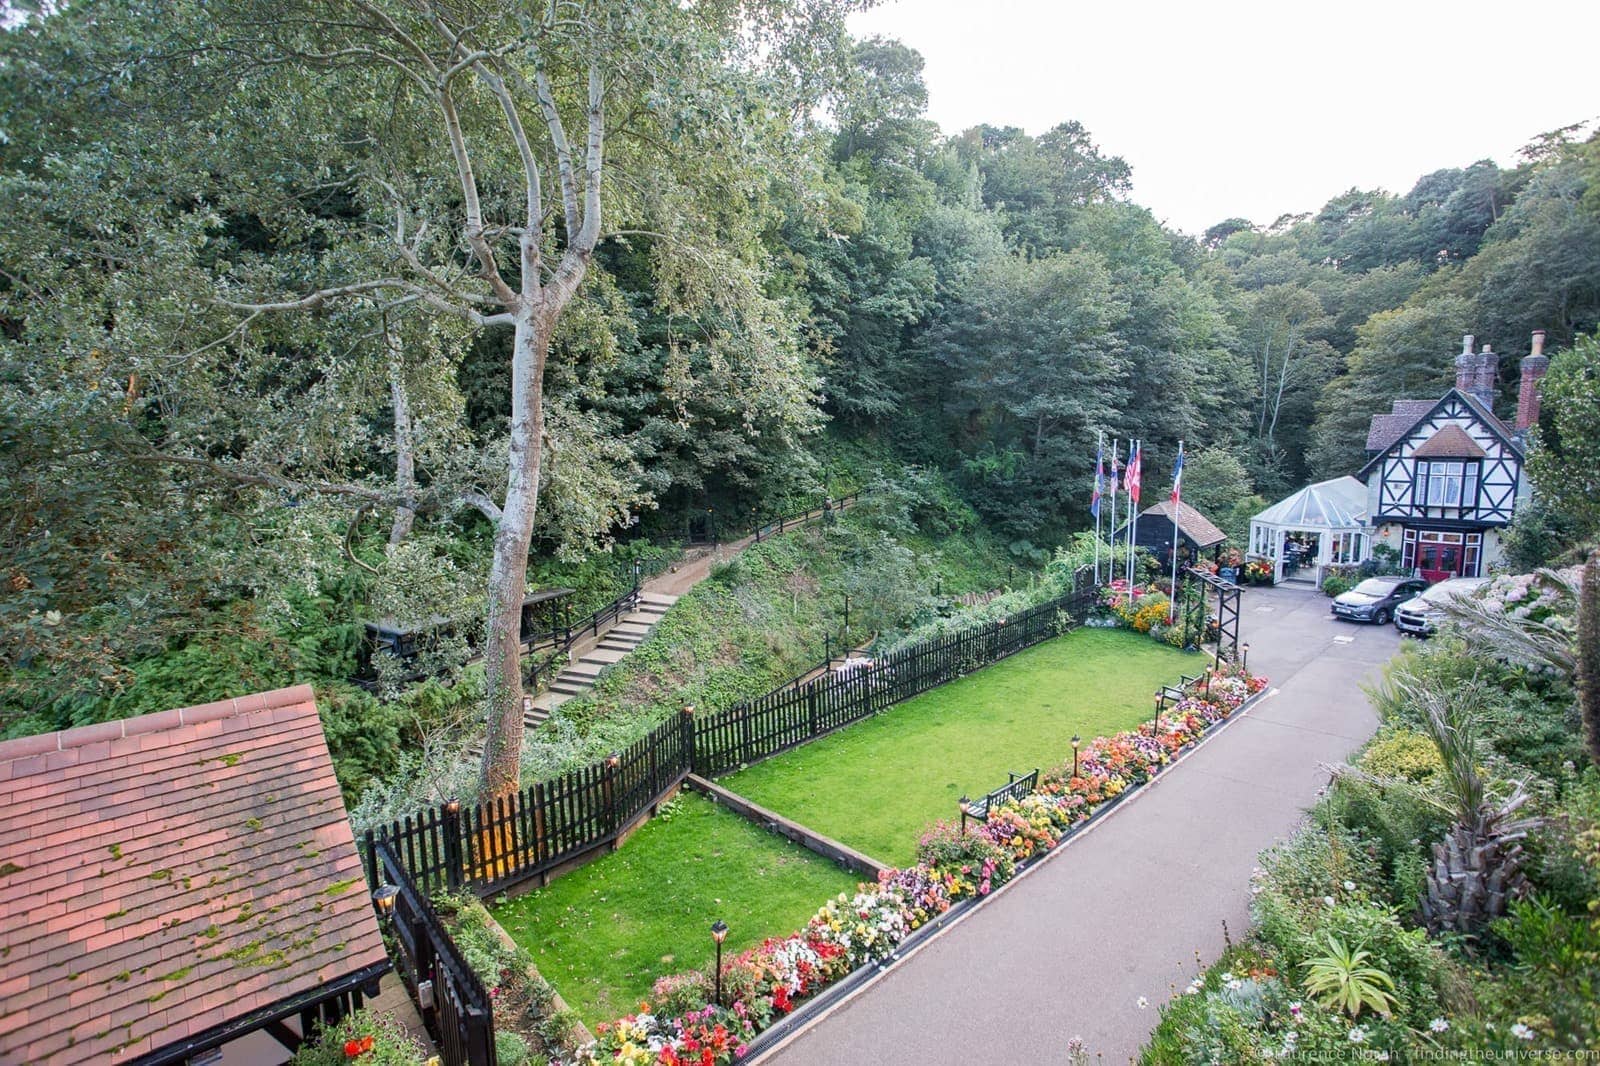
760	986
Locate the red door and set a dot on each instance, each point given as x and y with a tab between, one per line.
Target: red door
1439	561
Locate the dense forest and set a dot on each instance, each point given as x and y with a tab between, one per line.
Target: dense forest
284	293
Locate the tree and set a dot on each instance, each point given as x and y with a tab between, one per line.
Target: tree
1565	454
475	202
1280	330
1406	353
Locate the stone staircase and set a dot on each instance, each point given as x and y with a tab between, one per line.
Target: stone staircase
593	656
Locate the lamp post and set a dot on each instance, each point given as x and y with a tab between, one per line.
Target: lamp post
1156	726
1244	664
1075	742
719	933
962	803
383	899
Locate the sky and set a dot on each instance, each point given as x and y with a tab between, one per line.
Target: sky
1228	108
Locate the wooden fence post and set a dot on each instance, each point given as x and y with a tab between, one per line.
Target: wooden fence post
608	791
452	845
813	726
687	740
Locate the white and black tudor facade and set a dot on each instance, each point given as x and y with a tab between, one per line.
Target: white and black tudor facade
1445	476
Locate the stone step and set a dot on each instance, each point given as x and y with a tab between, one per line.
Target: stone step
581	672
570	688
605	656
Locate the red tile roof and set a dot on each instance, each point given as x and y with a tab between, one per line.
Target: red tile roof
165	874
1386	429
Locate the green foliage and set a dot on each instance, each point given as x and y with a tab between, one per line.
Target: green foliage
1337	585
1342	979
1403	753
391	1044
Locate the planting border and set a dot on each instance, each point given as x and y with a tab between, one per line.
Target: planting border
816	1007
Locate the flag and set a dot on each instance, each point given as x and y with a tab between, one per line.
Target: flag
1099	479
1177	479
1131	480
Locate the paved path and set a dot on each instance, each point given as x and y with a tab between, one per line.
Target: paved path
1119	913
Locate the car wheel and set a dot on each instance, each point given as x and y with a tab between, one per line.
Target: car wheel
1382	618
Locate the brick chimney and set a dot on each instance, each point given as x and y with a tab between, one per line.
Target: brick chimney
1487	378
1534	365
1466	365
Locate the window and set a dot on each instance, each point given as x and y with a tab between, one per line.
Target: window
1408	549
1474	548
1447	484
1346	548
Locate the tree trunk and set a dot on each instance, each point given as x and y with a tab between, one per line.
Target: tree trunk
405	459
508	573
1588	671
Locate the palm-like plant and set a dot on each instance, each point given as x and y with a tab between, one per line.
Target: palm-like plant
1341	979
1477	867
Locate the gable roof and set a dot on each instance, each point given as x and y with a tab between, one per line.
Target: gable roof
1191	523
1451	442
164	875
1484	415
1386	429
1338	503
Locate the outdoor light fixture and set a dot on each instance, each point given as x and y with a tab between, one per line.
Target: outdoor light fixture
383	899
688	709
453	807
719	933
614	760
1075	742
1156	730
1245	662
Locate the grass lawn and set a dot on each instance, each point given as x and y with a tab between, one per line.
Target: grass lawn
877	784
603	933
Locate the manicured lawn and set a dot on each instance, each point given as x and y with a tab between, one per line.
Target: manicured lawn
877	784
602	934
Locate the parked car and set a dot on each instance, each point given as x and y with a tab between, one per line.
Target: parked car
1419	616
1375	599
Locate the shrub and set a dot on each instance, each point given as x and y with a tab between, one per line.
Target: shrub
510	1049
1401	752
1336	585
390	1044
1343	980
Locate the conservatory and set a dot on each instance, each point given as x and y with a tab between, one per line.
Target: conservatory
1319	526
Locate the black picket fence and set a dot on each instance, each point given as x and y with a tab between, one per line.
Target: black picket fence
492	846
788	717
454	1004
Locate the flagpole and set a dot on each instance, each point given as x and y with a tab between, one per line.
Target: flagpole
1111	567
1133	512
1177	498
1099	478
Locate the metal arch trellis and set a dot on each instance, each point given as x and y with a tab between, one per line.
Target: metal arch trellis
1227	613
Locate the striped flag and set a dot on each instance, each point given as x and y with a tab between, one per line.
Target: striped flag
1177	479
1131	480
1099	479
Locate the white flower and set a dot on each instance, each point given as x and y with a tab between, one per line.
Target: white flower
1227	977
1255	890
1193	989
1328	900
1521	1032
1142	1003
1349	886
1358	1035
1438	1025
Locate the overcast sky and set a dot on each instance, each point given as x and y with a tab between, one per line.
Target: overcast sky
1258	109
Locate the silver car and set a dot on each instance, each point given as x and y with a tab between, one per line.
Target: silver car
1420	615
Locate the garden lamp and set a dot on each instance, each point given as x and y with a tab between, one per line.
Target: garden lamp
1157	726
1076	740
962	805
1244	664
719	933
383	899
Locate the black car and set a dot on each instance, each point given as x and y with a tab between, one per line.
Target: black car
1375	599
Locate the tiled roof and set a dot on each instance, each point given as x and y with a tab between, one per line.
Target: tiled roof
1451	442
1386	429
1196	526
165	874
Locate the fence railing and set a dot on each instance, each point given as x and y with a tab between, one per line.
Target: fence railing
508	840
787	522
511	839
455	1006
784	718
